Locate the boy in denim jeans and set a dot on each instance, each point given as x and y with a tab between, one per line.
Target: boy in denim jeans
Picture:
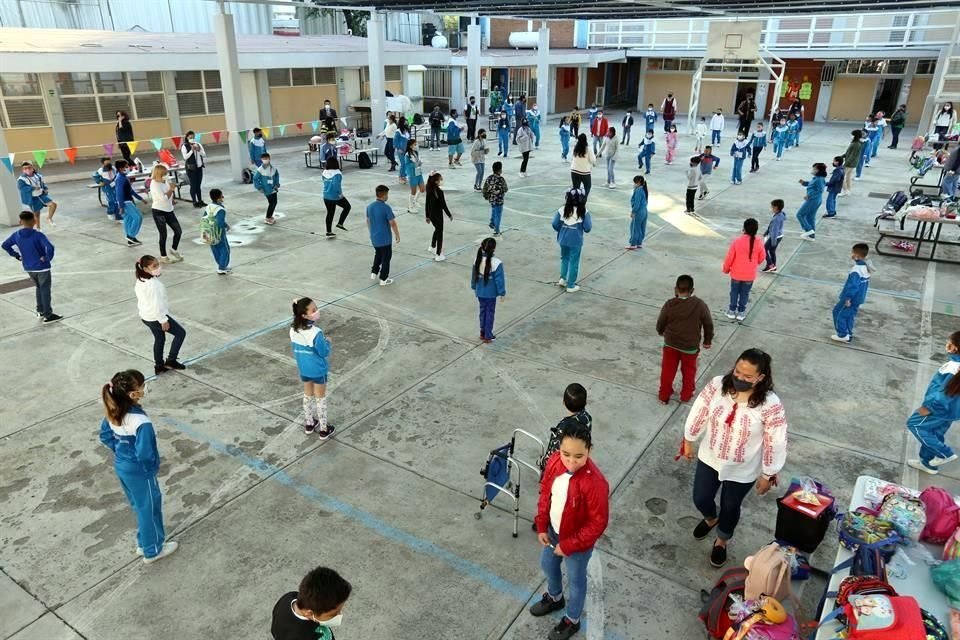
494	188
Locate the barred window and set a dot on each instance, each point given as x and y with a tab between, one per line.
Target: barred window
198	92
326	75
278	77
96	97
393	74
302	77
20	101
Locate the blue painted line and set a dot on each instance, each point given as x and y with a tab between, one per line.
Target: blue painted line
266	470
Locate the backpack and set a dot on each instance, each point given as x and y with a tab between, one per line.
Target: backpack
906	513
881	617
861	528
863	585
246	176
942	519
934	628
716	603
768	573
209	232
951	550
363	160
896	202
417	118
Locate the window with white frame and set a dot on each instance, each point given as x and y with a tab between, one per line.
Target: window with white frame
198	92
96	97
22	104
392	73
926	67
873	66
301	77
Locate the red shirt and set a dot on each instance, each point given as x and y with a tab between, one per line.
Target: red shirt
587	510
600	127
739	263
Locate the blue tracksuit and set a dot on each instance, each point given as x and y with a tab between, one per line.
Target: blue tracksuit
26	185
834	185
875	133
220	250
739	151
564	140
400	141
333	183
638	223
533	118
136	461
125	197
650	120
570	238
793	133
780	139
311	350
807	214
266	181
257	147
487	293
855	292
648	147
503	136
773	236
106	181
944	410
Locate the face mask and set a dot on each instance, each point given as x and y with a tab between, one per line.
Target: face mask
190	140
335	621
265	163
741	385
813	172
313	317
739	137
649	136
155	271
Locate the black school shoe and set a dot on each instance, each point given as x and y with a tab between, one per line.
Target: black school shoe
174	364
703	529
718	556
547	605
564	630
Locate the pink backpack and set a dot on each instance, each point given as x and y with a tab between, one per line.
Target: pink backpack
943	515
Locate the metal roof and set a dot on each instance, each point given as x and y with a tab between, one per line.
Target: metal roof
627	9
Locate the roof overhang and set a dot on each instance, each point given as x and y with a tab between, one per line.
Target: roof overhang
528	57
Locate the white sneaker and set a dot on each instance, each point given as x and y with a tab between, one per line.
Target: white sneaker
440	258
856	178
573	289
843	194
939	462
139	552
741	317
611	186
388	281
562	282
373	276
431	249
730	315
919	466
166	260
168	549
806	234
176	255
837	338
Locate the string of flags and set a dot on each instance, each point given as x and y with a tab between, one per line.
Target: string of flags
39	156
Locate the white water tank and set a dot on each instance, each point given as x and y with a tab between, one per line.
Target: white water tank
524	39
438	42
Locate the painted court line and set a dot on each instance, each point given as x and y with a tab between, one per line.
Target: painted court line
911	476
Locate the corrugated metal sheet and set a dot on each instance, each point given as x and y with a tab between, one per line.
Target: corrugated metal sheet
400	27
55	14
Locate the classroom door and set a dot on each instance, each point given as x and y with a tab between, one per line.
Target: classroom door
888	92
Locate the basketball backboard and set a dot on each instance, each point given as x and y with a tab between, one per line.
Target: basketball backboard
734	40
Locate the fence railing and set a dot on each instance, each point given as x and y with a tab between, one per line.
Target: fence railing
899	30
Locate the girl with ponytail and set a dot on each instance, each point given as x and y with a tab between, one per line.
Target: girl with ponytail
744	257
489	282
129	434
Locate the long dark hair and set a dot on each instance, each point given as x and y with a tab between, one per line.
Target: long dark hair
403	125
411	148
821	169
640	181
580	150
575	200
300	306
750	227
487	247
142	265
116	394
952	388
761	360
433	183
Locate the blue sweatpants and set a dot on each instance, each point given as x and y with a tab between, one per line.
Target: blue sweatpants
807	215
831	203
496	214
931	431
143	493
110	196
536	134
564	146
737	175
638	229
570	264
221	253
488	309
503	139
843	318
132	219
778	147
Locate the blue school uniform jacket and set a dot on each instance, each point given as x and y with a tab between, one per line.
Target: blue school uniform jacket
708	163
857	284
25	186
332	184
257	147
815	187
648	147
759	139
638	201
266	179
311	350
739	149
835	183
570	232
650	119
453	132
125	192
400	140
496	284
939	403
133	442
780	133
33	251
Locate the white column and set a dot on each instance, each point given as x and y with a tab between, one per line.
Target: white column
9	195
582	88
170	98
763	88
543	72
376	34
264	106
473	61
226	39
48	87
907	81
457	90
641	107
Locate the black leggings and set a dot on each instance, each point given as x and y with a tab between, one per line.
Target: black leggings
581	179
691	194
755	158
271	205
332	208
195	176
163	220
523	165
437	240
125	151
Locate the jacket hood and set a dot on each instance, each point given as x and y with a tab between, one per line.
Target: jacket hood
213	208
329	173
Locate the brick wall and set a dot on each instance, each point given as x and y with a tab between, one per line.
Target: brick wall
561	32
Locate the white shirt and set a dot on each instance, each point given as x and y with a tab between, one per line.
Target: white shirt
187	151
754	442
152	300
161	196
558	499
583	164
716	122
944	119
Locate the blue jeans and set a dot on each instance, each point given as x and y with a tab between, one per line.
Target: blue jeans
715	136
739	295
626	136
570	264
496	214
42	280
843	318
564	145
488	309
949	185
479	180
159	339
221	252
860	164
110	198
706	483
132	219
403	165
434	137
638	229
831	203
143	494
737	170
503	141
576	576
931	431
771	245
807	215
778	147
611	178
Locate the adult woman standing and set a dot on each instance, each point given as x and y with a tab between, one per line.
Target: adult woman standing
897	122
851	157
436	207
807	214
524	140
161	197
583	162
570	222
194	159
478	156
745	444
154	312
124	135
944	120
387	134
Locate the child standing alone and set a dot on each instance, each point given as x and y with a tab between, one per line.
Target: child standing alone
743	258
940	409
213	230
638	213
494	189
311	350
671	138
682	321
266	180
489	283
853	294
693	182
773	235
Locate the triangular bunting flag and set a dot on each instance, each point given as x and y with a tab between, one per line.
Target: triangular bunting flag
133	146
243	136
8	163
197	136
39	157
282	128
157	143
12	155
266	132
343	120
108	148
216	137
176	141
315	124
71	154
299	126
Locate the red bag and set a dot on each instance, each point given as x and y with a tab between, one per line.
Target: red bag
879	617
943	515
714	614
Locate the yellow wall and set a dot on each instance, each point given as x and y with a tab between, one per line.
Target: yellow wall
919	88
657	84
852	98
301	104
201	124
717	94
395	87
90	137
27	139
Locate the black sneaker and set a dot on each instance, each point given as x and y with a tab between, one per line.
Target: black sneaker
308	427
547	605
173	364
52	318
201	204
564	630
160	369
703	529
718	556
341	227
325	434
331	236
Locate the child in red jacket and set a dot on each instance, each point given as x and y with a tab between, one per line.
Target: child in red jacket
745	255
571	516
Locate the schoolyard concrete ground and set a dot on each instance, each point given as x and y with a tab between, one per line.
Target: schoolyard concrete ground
418	402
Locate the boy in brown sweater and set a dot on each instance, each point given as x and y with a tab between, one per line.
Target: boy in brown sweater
682	320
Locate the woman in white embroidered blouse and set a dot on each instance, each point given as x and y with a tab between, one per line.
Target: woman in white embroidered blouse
745	444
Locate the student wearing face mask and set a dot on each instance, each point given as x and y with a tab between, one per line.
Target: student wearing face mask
129	434
807	214
311	350
745	444
739	151
716	126
266	180
314	609
155	314
327	112
503	134
194	159
471	112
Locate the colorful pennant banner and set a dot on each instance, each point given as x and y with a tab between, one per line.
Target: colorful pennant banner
108	148
283	129
197	136
71	154
133	146
157	143
216	137
176	141
39	157
299	126
243	136
315	124
266	132
8	163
